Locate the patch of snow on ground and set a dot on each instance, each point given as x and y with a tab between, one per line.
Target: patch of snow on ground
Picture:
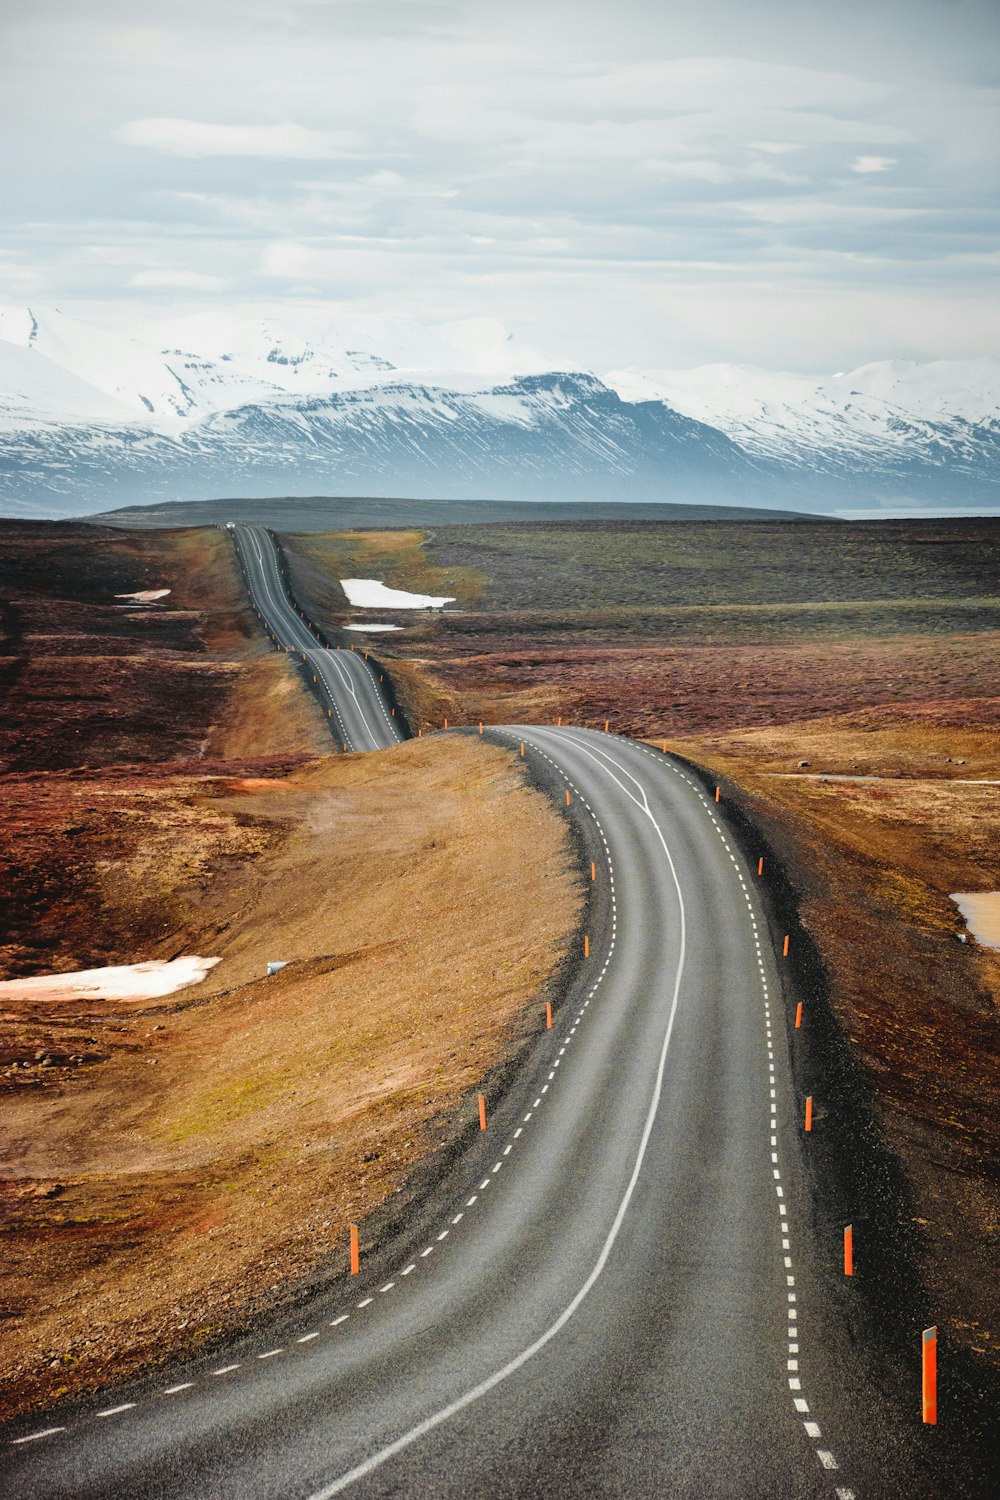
368	593
145	596
981	910
145	981
370	629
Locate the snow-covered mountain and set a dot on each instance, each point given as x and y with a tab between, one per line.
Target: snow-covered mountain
868	415
215	404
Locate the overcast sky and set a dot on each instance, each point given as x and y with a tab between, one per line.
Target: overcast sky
779	182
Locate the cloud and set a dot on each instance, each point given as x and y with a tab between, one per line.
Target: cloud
567	165
872	163
196	281
197	138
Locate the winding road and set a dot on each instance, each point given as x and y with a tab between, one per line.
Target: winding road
613	1290
358	707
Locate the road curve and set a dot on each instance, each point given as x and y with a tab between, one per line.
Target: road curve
359	710
611	1291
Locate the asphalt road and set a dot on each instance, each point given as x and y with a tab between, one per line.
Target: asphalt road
359	709
612	1291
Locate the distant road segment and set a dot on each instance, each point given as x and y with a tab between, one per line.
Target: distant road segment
359	710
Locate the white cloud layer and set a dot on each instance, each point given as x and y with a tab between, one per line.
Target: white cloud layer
603	179
268	142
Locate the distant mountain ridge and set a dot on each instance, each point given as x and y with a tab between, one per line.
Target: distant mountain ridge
213	404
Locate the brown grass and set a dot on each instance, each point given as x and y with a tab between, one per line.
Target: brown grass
215	1145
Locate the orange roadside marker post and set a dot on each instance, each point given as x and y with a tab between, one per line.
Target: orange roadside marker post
522	749
849	1250
809	1111
567	796
586	945
446	723
345	747
929	1376
798	1015
784	951
480	726
394	713
548	1015
718	793
606	723
760	865
355	1255
482	1113
593	870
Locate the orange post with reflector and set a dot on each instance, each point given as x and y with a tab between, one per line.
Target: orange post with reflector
784	951
593	870
606	723
809	1111
446	723
355	1254
718	793
664	747
482	1113
848	1249
929	1376
760	865
586	945
522	749
548	1015
798	1015
567	796
480	726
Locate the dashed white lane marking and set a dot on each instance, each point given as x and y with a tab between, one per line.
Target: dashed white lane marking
366	1302
342	1319
33	1437
116	1411
307	1338
388	1286
173	1390
376	1460
826	1458
270	1353
226	1370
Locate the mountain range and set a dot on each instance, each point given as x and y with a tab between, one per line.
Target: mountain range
215	404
